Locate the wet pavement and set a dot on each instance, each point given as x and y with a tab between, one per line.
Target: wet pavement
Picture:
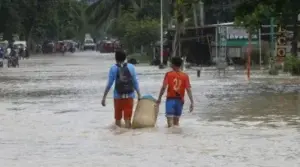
51	116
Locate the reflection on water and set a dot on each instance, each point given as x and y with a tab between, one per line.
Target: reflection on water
264	107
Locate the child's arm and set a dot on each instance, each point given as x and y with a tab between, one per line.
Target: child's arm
162	91
136	83
163	88
189	92
110	82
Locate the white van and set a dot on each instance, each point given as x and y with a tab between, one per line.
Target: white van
89	44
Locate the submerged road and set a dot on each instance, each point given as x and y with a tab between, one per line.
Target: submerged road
51	116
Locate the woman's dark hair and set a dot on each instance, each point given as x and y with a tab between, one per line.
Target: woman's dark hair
176	61
120	56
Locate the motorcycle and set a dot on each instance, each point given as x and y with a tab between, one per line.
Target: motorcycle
13	60
72	49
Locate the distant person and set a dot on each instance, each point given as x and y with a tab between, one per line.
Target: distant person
124	76
176	82
2	51
2	54
13	52
27	53
165	56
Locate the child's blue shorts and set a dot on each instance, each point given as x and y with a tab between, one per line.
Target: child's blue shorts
174	107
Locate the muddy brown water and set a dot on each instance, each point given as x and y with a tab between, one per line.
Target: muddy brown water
51	116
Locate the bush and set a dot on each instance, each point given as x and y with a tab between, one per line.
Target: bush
140	58
273	71
292	65
278	67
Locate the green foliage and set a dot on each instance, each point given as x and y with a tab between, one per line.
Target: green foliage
134	32
273	71
141	58
181	7
278	66
251	13
120	25
150	10
292	65
144	32
42	19
103	10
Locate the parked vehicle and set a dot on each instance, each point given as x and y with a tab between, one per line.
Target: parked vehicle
109	46
71	45
12	61
48	47
21	47
89	44
38	48
4	44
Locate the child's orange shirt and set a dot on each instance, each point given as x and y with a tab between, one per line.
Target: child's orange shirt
177	82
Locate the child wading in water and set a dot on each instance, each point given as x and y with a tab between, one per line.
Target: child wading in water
126	84
176	82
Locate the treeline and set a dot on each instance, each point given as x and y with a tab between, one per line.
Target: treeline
134	21
248	13
43	19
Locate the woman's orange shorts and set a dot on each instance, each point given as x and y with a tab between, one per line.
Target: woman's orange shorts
123	108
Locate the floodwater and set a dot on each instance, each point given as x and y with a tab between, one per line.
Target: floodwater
51	116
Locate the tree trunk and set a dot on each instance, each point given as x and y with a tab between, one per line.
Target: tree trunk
295	36
28	39
174	44
179	46
195	16
249	50
201	14
141	3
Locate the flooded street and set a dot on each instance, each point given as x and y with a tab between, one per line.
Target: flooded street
51	116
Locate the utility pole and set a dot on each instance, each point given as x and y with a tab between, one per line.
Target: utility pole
272	30
161	32
202	16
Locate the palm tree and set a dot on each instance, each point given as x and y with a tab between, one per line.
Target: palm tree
101	10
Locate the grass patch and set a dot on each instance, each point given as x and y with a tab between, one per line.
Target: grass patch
141	58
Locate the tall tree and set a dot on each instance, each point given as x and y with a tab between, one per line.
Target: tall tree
102	10
10	18
180	9
36	20
253	13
